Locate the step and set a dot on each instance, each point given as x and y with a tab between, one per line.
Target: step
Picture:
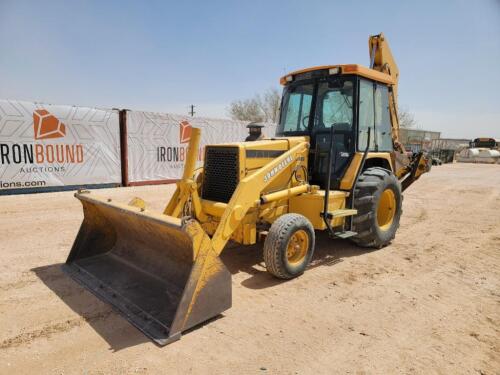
345	234
341	213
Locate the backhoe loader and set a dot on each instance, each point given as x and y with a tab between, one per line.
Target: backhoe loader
335	165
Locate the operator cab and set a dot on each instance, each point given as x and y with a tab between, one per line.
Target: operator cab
315	101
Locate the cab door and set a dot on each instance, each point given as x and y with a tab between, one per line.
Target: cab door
374	115
335	101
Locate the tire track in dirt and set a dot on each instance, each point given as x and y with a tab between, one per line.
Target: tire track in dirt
28	278
16	285
51	329
428	302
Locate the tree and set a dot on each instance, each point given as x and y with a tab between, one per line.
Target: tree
260	108
406	118
246	110
269	103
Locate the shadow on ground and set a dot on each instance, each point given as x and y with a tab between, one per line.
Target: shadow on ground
117	332
120	334
249	259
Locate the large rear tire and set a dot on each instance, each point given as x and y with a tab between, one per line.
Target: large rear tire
378	199
289	246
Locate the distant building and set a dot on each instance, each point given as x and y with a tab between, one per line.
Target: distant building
444	149
450	143
417	139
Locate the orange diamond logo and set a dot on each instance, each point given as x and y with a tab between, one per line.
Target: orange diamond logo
47	126
185	131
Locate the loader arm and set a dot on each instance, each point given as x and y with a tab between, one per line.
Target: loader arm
209	274
249	190
246	195
186	187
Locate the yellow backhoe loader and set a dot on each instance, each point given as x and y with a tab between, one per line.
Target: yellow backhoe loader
335	165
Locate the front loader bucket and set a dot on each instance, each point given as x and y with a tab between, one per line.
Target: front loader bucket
160	273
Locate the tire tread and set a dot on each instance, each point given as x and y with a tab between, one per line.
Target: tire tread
278	234
370	182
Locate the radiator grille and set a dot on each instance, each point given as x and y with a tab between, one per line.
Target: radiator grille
221	173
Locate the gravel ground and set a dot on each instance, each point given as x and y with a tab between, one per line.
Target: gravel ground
428	303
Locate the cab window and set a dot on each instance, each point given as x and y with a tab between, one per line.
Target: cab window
296	108
335	99
374	114
366	115
382	119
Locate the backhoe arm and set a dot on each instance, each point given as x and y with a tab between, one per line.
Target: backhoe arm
382	60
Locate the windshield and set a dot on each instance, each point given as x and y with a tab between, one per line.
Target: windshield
296	108
334	98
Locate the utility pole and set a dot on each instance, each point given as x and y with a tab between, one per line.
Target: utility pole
191	110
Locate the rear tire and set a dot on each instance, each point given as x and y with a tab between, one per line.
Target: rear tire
378	200
289	246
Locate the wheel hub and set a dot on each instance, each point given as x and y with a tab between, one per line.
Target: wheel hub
297	247
386	209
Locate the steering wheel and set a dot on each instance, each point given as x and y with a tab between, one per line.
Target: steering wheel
304	122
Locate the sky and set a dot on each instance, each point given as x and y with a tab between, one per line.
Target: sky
166	55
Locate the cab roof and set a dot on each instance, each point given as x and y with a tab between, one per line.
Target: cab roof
342	69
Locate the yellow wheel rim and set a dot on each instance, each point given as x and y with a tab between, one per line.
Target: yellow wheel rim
386	209
297	247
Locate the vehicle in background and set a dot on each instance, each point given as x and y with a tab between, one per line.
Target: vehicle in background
478	155
490	143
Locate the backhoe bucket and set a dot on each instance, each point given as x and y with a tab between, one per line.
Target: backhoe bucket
159	272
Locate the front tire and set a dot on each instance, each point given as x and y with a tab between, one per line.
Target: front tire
378	200
289	246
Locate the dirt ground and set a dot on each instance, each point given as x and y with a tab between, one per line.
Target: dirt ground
428	303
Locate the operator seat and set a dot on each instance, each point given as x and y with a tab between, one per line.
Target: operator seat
342	149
